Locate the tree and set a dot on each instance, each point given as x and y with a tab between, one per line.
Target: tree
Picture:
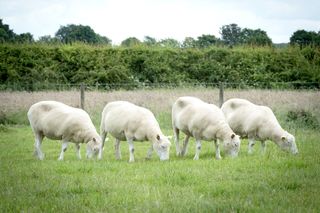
149	41
231	34
103	39
189	42
206	41
255	37
72	33
24	38
170	42
304	38
130	42
6	34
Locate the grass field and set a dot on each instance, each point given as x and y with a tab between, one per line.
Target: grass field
272	182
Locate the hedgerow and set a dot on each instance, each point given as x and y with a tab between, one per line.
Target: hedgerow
22	66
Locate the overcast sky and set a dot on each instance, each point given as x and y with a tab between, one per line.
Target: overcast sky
120	19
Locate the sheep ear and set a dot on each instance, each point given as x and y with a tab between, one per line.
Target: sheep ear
158	137
232	135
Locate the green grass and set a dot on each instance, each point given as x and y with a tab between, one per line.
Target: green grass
273	182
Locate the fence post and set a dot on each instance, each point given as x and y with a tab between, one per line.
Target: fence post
221	94
82	87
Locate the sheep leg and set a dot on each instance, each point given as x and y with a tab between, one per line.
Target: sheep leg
185	146
176	140
149	154
37	146
77	146
198	149
217	143
63	149
131	150
117	149
103	138
250	145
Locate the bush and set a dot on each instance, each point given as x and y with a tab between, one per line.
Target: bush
26	67
14	118
302	118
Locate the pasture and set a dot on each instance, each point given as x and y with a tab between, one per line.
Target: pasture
272	182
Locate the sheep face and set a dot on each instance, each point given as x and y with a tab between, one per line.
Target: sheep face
162	147
232	145
287	143
93	147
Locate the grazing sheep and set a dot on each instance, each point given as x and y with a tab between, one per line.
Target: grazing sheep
126	121
58	121
202	121
257	123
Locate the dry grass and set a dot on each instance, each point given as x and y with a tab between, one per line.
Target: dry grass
160	100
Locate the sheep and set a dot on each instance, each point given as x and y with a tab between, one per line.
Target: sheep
58	121
202	121
126	121
257	123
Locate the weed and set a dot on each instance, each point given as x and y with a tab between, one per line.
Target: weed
303	119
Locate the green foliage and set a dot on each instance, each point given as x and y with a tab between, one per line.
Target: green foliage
12	118
131	42
304	38
170	43
24	38
34	67
3	128
150	41
189	42
303	119
233	35
255	37
7	35
79	33
205	41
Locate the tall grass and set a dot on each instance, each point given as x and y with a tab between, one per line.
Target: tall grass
161	100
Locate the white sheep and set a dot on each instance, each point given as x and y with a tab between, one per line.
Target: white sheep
257	123
126	121
202	121
58	121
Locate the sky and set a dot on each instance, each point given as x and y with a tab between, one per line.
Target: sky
161	19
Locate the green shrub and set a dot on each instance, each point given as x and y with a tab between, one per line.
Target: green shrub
303	119
13	118
29	67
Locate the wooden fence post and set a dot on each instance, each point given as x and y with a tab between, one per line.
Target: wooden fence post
82	88
221	94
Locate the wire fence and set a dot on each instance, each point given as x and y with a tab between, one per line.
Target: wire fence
298	85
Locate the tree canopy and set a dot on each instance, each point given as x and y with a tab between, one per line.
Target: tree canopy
233	35
130	42
72	33
7	35
304	38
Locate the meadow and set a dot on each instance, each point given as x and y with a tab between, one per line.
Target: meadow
275	181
